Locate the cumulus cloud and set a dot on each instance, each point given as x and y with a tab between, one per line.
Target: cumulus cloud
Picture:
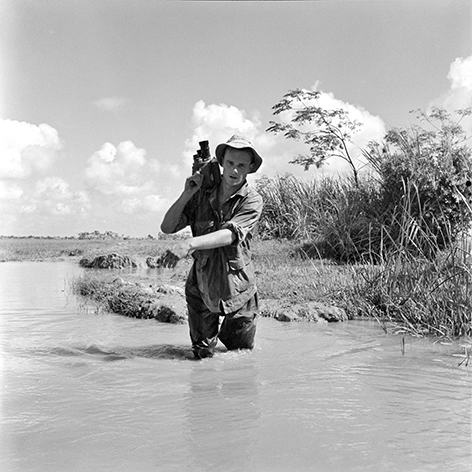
40	207
372	129
10	191
218	122
459	94
460	74
110	103
126	177
27	152
26	148
53	196
121	171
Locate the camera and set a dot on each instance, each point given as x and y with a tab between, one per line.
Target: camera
206	165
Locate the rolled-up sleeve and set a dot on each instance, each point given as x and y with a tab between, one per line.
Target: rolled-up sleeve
245	216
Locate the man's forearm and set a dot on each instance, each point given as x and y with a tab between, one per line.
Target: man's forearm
220	238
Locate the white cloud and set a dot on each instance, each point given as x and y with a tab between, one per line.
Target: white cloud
26	148
52	187
10	191
227	119
460	74
121	171
110	103
47	206
372	129
126	180
281	150
47	196
27	152
459	94
217	123
53	196
106	153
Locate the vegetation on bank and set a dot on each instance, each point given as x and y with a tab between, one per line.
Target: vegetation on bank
133	299
391	242
403	224
37	249
422	298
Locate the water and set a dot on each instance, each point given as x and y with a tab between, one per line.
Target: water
83	391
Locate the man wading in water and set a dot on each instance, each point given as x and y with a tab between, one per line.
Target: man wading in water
222	219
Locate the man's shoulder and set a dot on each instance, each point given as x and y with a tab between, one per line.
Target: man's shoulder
250	199
253	193
248	189
248	195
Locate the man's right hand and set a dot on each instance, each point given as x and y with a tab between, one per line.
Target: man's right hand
177	252
193	183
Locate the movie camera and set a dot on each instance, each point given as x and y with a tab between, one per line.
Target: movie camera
206	165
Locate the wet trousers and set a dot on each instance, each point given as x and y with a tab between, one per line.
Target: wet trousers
237	331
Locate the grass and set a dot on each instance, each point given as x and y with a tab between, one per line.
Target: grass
407	266
285	273
129	299
405	295
38	249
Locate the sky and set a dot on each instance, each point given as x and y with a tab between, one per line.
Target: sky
103	102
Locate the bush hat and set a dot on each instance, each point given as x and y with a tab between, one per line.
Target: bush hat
238	142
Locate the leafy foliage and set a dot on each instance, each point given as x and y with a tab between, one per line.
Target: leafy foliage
326	132
417	203
425	179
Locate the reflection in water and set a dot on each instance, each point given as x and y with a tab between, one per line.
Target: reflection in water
162	351
84	391
222	411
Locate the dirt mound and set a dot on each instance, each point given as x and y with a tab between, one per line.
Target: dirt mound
109	261
308	311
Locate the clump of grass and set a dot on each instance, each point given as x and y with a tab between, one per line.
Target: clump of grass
418	295
130	300
409	255
424	282
340	219
284	272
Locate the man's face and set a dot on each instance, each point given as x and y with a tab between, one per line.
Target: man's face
236	165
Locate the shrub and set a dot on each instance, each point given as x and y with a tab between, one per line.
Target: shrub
425	178
338	217
416	201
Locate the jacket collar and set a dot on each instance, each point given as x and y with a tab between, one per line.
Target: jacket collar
213	197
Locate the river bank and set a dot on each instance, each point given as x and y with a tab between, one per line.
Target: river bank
292	286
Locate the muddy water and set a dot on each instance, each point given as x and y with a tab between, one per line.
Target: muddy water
83	391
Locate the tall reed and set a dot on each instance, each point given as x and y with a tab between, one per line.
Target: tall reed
411	268
338	217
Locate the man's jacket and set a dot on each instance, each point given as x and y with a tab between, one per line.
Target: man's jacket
224	276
